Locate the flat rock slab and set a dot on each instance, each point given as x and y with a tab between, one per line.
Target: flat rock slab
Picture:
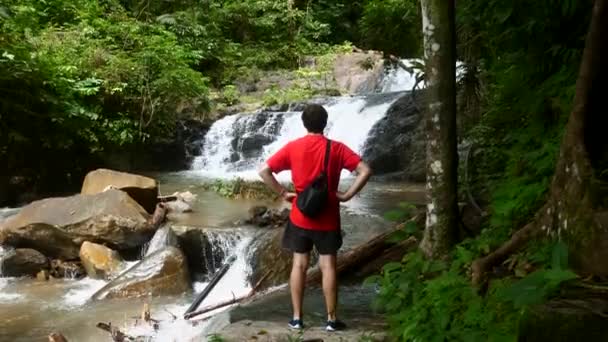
263	331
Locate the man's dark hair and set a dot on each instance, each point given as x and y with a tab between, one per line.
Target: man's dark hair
314	118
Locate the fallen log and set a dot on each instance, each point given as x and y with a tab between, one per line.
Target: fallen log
210	308
394	253
216	278
358	256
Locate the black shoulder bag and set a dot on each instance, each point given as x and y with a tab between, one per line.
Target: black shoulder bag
312	200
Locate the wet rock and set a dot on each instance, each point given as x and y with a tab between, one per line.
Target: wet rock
270	259
43	275
247	330
261	216
100	262
67	269
164	272
358	72
164	237
203	256
142	189
179	202
397	141
22	262
58	226
571	319
252	132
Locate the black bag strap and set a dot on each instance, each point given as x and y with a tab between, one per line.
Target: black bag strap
327	152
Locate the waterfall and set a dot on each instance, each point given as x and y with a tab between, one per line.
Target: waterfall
235	145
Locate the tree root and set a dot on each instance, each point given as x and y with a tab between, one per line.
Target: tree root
519	239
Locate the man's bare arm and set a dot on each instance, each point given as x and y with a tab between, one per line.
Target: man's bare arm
363	173
268	177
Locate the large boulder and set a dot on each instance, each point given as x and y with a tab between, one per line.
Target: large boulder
204	249
358	72
22	262
397	141
58	226
100	262
164	272
143	190
262	216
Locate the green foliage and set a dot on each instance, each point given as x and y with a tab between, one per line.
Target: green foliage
230	95
239	188
524	98
431	300
276	95
392	26
215	338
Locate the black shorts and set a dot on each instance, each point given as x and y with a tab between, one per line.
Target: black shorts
299	240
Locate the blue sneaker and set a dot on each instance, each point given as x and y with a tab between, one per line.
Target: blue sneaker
296	324
335	325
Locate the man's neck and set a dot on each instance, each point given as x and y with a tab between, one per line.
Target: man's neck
312	133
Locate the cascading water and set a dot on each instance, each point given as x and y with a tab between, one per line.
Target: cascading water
234	284
400	79
236	144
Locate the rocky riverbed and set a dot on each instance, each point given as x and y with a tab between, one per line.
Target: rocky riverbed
118	265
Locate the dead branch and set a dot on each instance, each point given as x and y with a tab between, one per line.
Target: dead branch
159	216
210	308
358	256
117	335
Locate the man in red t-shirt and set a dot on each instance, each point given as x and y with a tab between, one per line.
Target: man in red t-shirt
305	158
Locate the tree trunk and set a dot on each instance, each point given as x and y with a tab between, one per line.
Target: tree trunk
438	25
574	210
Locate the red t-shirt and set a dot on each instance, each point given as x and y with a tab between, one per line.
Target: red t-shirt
304	157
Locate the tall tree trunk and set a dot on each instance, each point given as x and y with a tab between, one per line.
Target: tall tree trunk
575	210
438	25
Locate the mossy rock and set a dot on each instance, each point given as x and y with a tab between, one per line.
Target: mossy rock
565	320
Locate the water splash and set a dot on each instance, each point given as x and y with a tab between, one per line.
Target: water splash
7	297
82	291
5	213
221	244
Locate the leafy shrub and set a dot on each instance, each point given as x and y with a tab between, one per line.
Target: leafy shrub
431	300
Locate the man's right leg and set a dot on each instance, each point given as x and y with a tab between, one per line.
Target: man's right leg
327	263
295	240
297	281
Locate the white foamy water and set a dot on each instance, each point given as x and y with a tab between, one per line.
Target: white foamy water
399	79
350	119
5	213
82	291
233	284
7	297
